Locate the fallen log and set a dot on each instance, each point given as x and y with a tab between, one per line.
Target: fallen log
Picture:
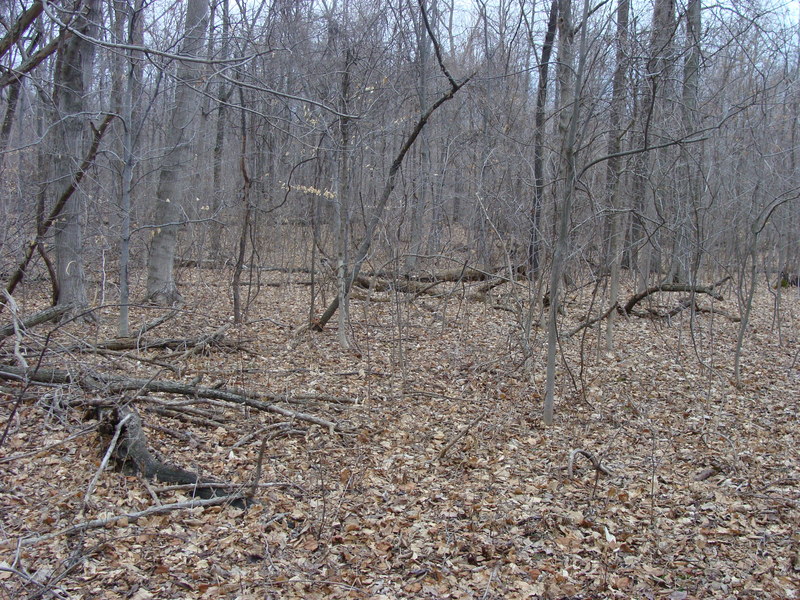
190	345
116	383
124	517
48	314
674	287
425	284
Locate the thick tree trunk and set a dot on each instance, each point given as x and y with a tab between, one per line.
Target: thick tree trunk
174	179
73	72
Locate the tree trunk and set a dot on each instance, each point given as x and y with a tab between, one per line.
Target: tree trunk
173	181
651	115
535	244
73	74
570	83
247	211
342	202
130	95
218	203
614	167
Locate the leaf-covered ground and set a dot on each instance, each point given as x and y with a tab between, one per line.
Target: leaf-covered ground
447	484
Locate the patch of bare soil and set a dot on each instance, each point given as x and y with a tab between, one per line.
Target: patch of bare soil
441	480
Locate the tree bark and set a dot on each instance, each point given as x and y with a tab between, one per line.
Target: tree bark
174	181
570	84
614	167
535	243
73	75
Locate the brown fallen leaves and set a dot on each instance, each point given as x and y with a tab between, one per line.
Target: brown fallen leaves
701	500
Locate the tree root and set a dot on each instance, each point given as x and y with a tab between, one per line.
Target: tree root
132	451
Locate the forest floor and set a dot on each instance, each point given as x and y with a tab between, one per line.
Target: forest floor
444	482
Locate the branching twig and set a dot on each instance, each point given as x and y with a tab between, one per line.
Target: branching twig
463	432
596	463
153	510
105	460
257	476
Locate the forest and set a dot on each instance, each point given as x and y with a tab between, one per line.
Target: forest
491	299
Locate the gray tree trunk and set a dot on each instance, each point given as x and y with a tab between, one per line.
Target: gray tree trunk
218	203
535	242
174	180
614	166
652	125
131	15
570	82
419	198
72	78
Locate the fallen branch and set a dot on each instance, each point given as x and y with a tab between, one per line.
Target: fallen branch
109	453
463	432
190	345
594	460
115	383
127	517
48	314
674	287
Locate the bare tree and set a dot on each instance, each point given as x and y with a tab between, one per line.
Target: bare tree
173	179
570	80
72	83
616	217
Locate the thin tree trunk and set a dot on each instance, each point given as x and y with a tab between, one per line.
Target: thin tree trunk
570	84
535	244
419	198
130	94
246	185
218	203
342	203
613	167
